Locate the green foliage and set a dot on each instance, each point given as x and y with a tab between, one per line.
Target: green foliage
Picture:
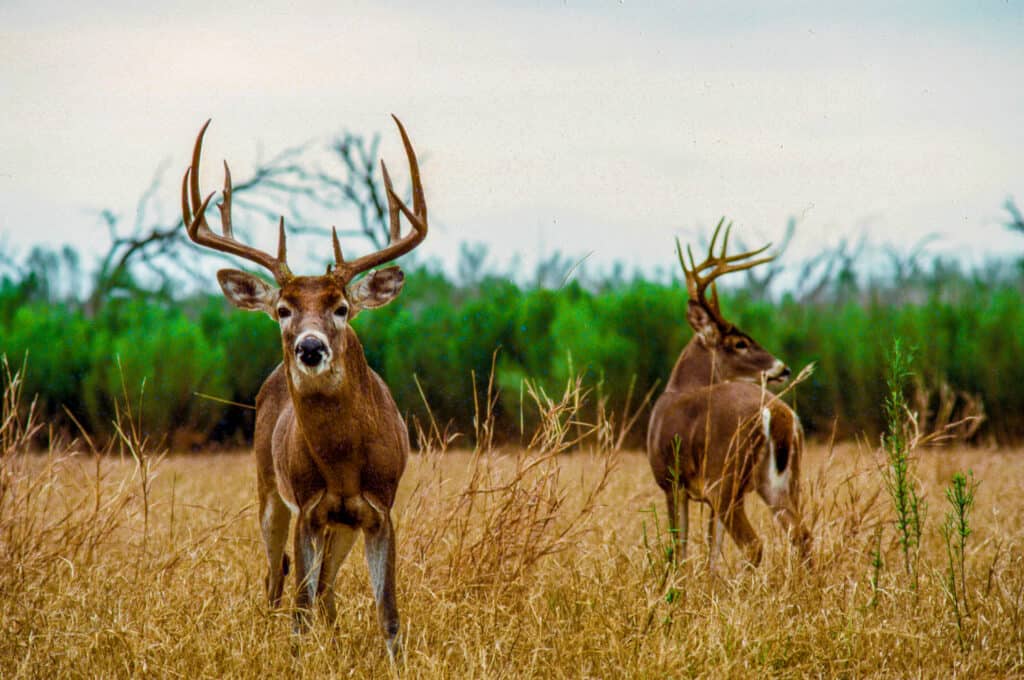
167	357
877	564
56	341
966	330
900	478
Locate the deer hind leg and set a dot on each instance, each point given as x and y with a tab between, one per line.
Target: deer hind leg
789	520
380	558
779	488
678	522
274	520
786	511
339	542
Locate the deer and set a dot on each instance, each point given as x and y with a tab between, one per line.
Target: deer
716	433
330	443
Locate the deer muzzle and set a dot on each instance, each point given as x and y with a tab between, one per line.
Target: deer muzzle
312	352
778	372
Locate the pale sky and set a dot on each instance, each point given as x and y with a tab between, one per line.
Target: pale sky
604	126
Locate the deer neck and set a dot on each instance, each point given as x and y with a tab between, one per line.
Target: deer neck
694	369
332	417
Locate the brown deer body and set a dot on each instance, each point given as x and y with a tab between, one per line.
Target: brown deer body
330	443
716	434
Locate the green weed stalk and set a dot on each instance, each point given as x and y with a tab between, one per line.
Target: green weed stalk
899	476
955	530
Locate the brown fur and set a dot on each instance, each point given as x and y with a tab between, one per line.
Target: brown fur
330	443
338	457
706	438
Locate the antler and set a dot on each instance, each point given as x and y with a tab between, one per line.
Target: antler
697	284
399	246
193	212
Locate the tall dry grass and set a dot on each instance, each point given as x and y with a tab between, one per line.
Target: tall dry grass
526	562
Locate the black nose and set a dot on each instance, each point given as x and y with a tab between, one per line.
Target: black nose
311	350
785	372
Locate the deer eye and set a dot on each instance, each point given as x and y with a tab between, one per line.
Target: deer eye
741	344
283	312
341	311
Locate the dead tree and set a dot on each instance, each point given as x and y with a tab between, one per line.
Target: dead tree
147	256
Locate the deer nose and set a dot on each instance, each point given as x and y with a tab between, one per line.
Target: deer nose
785	372
311	350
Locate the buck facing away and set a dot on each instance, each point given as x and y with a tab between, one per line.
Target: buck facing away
330	443
716	434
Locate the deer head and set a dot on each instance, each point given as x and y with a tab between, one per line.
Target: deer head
313	312
736	355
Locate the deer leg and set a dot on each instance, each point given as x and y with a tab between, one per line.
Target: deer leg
339	542
380	558
786	512
736	522
678	522
274	519
310	542
798	534
716	532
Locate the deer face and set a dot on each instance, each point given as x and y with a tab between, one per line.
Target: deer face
313	313
738	356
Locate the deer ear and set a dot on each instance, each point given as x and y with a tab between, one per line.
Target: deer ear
703	325
376	289
247	291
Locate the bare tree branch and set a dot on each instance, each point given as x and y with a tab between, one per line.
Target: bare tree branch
290	183
1016	222
759	282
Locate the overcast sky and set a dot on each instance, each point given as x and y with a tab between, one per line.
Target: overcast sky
601	126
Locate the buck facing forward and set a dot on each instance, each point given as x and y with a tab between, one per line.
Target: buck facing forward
330	443
715	434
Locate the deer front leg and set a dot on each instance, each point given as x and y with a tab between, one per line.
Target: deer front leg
274	519
310	542
380	558
339	542
716	533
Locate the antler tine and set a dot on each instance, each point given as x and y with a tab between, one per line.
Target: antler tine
713	260
282	249
225	206
714	237
396	207
339	259
194	169
700	276
394	221
193	212
725	240
419	203
186	212
690	282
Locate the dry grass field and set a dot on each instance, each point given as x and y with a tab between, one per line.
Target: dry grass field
511	564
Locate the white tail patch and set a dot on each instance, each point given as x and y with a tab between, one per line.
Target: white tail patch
778	482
